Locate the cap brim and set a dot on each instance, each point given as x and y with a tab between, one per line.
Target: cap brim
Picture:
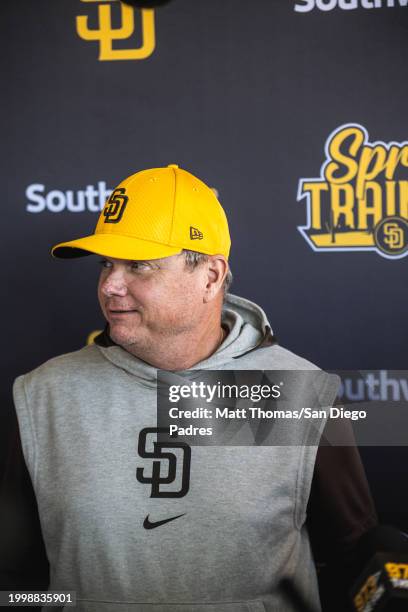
112	245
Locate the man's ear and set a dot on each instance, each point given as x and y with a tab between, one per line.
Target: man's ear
216	270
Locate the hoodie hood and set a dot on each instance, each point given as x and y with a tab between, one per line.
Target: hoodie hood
248	329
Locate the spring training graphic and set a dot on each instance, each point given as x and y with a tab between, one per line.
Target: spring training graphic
360	200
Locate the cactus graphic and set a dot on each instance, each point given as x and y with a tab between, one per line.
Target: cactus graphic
331	227
370	226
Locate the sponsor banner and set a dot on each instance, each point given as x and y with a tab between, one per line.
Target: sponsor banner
305	6
92	198
374	385
360	200
40	199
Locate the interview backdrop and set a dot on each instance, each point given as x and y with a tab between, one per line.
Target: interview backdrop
293	110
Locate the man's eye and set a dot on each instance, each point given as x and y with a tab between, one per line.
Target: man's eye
139	265
104	263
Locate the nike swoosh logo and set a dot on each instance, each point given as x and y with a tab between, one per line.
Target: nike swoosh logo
149	525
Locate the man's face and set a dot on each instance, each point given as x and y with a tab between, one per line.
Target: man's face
147	300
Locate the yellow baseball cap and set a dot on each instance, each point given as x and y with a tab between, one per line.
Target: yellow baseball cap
153	214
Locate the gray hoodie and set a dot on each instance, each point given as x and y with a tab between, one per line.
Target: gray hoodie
241	535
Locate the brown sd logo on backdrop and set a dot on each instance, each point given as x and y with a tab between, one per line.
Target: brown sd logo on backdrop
106	34
360	200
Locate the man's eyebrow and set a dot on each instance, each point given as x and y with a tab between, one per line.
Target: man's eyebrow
146	261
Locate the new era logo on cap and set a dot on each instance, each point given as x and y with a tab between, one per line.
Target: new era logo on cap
195	234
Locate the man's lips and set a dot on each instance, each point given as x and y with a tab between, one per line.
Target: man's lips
121	311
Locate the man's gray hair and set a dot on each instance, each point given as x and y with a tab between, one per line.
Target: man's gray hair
193	259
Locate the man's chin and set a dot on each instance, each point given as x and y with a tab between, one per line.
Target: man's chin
123	337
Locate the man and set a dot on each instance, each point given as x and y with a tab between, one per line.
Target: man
126	524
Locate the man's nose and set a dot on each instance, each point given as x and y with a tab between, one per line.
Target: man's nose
114	284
